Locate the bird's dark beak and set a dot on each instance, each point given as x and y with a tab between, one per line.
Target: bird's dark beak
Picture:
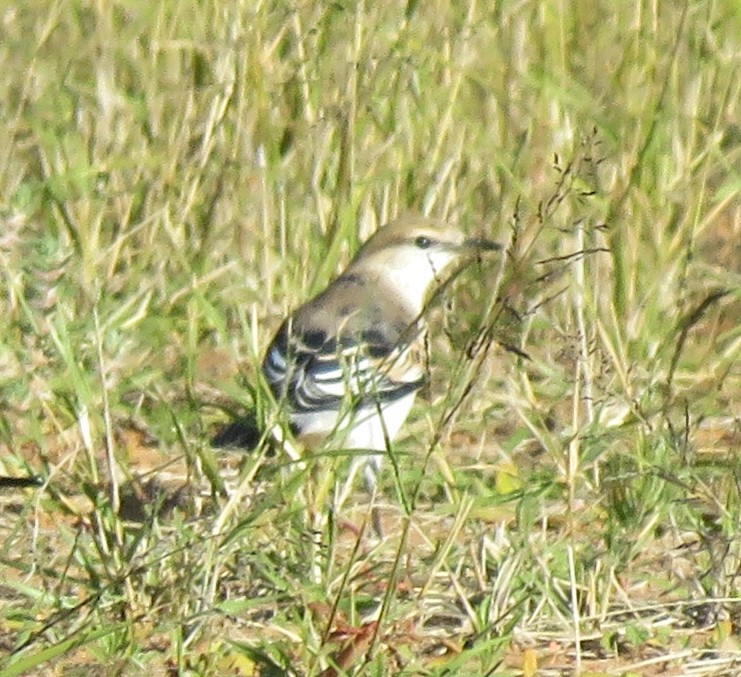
480	244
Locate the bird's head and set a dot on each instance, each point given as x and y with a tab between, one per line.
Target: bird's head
415	255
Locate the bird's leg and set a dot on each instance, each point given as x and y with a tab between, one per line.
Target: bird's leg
371	466
371	471
344	493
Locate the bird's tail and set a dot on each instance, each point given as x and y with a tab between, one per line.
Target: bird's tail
242	433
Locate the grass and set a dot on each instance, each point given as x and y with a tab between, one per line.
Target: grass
177	176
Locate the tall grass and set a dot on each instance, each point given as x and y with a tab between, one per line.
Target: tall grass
175	177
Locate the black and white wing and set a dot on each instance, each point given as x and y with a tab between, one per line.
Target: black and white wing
313	372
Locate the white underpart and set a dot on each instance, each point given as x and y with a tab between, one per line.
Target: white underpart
367	430
373	432
410	271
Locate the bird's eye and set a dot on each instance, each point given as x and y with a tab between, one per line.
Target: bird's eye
423	242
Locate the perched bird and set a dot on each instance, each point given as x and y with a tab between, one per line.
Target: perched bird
346	366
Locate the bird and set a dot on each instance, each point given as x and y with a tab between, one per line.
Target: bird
346	366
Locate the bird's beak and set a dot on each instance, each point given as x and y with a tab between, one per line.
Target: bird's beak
480	244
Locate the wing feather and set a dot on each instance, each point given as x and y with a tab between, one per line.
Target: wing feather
313	375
